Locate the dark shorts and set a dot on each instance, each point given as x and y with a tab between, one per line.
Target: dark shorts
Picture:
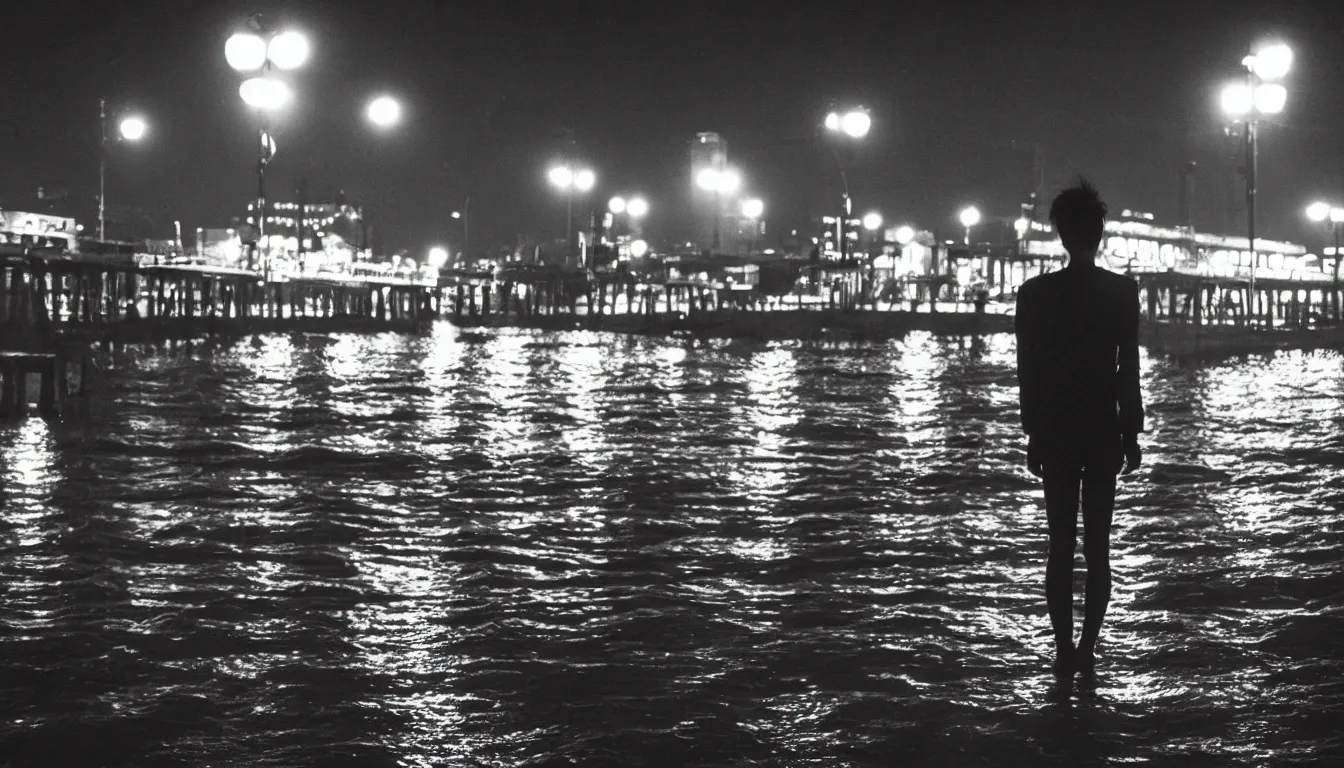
1080	474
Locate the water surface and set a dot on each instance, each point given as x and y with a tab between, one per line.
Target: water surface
523	549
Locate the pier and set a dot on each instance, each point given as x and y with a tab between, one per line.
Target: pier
55	312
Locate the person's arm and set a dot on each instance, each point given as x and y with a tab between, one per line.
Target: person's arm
1131	400
1028	360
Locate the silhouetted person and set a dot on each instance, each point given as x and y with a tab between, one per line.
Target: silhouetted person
1078	375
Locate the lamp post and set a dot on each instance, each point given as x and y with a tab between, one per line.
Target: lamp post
130	128
255	54
752	209
1246	102
570	179
725	181
850	125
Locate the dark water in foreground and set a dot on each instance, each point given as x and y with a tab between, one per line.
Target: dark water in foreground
574	549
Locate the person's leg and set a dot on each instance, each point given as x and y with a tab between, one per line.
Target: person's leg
1098	494
1061	509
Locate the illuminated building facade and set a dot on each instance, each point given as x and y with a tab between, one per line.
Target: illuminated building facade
311	237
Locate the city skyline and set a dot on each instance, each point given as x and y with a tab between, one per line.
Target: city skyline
489	97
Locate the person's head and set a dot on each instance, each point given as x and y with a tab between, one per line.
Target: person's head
1079	215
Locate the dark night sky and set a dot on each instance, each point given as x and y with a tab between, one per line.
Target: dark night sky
1123	92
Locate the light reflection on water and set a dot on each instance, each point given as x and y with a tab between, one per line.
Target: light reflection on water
509	548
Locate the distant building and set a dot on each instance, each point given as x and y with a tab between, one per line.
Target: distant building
708	150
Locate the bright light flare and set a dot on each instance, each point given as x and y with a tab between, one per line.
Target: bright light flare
584	180
1318	211
384	112
616	205
872	221
724	182
637	208
288	50
970	216
1236	99
265	93
833	122
1270	98
1337	215
245	52
638	248
438	256
753	208
561	176
1271	61
905	235
856	124
133	128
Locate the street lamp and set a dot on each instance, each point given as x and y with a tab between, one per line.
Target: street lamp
872	221
1246	102
905	235
1321	212
438	256
384	112
720	181
637	208
253	53
131	128
852	124
970	216
570	179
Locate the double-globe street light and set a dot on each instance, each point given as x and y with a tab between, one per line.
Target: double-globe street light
1245	102
129	128
570	179
849	125
1333	217
251	52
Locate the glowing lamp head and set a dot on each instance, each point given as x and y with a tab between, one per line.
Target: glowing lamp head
1236	99
970	216
457	214
856	124
707	179
639	248
584	180
833	122
1021	226
438	256
1271	61
1270	98
561	176
245	52
872	221
1318	211
265	93
905	235
753	208
133	128
384	112
637	207
288	50
616	205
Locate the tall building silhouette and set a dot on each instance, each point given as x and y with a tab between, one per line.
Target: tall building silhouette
708	150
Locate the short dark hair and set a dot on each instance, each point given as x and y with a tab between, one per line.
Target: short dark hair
1079	216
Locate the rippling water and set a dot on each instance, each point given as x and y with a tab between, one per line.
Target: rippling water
512	549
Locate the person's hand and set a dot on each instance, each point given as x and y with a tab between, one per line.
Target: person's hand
1033	457
1133	454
